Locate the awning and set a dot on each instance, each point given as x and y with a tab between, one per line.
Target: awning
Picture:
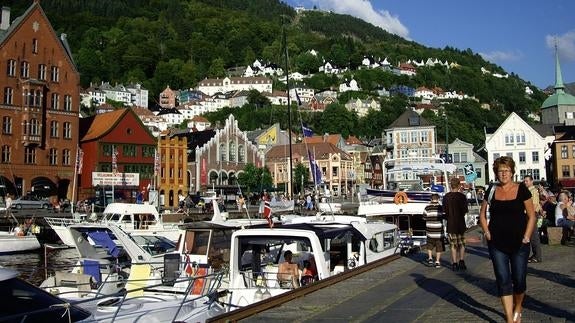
567	183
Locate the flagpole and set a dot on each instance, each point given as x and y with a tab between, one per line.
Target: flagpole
72	203
114	165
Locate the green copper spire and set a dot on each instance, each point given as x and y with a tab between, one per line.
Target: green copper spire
559	87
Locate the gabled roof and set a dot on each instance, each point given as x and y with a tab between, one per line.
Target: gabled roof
100	124
15	25
408	119
333	139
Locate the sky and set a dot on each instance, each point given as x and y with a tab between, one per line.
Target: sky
518	35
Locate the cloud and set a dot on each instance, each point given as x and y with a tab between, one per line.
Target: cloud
500	56
364	10
565	44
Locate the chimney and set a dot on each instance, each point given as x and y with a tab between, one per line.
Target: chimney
63	36
5	22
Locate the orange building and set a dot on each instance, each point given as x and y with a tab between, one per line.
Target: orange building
120	131
40	90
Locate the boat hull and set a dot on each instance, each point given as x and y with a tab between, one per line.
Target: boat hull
10	243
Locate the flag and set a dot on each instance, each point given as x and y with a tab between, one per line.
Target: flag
297	98
188	269
314	168
79	160
307	132
114	160
268	213
156	162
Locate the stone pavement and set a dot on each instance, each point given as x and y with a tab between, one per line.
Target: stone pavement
406	290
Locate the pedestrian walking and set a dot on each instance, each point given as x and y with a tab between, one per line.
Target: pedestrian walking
508	233
455	207
535	241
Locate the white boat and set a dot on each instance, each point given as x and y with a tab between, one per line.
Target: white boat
141	219
403	199
12	242
333	243
23	302
20	238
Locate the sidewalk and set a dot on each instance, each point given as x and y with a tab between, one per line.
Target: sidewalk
408	291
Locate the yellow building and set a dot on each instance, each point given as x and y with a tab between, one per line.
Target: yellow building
173	174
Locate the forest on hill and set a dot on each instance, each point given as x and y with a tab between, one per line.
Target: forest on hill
180	42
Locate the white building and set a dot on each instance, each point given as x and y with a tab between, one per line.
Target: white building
227	84
462	154
517	139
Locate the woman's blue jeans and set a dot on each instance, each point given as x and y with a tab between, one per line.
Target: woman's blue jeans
510	269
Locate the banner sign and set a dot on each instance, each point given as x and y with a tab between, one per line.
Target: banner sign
121	179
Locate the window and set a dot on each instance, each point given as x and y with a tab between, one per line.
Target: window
67	103
25	69
456	158
7	125
241	154
414	137
148	151
35	46
403	137
37	98
509	139
11	68
42	72
6	152
520	138
66	157
522	173
495	156
522	157
509	155
423	135
565	171
53	156
55	74
536	175
564	153
464	157
67	134
29	155
107	150
54	129
232	151
478	172
34	127
223	152
535	156
573	150
129	150
55	101
8	95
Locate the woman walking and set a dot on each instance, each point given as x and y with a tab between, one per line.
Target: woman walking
511	223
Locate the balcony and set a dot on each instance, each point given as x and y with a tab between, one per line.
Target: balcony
31	140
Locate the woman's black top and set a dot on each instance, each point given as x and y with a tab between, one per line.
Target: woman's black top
508	220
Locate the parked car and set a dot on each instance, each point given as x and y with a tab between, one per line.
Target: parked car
30	202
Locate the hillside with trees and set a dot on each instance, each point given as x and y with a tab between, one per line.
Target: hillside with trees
180	42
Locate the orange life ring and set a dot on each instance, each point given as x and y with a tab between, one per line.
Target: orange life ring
198	285
400	198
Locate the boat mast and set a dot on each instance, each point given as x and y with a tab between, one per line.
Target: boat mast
290	189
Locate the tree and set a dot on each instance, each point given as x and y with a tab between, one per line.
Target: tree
217	68
255	179
301	177
256	99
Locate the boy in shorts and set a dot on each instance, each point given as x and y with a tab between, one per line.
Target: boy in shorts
433	216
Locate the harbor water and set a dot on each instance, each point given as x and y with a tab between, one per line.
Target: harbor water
35	265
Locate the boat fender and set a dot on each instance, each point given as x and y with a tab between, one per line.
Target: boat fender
351	263
400	198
